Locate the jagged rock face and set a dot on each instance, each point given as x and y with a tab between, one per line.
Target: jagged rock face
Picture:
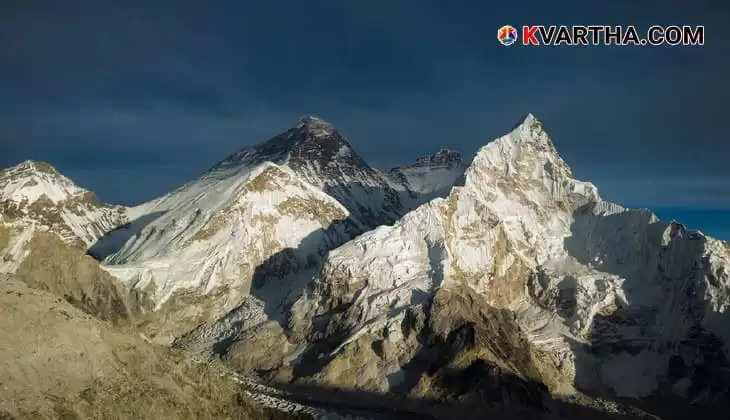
35	193
595	289
322	157
431	176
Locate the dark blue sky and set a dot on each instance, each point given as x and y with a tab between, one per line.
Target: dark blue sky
133	101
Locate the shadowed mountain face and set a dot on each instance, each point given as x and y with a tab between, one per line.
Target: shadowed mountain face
321	156
499	283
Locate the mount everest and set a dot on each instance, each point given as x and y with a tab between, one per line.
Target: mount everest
499	282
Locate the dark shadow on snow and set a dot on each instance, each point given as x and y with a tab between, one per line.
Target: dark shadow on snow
290	269
114	240
477	390
307	257
671	264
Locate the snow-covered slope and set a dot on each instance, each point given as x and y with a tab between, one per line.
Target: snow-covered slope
220	237
264	213
610	300
34	193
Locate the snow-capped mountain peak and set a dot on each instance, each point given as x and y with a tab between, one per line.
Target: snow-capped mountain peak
30	180
34	193
441	158
531	133
310	147
315	141
429	176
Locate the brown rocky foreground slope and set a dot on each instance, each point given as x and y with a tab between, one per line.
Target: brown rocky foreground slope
59	362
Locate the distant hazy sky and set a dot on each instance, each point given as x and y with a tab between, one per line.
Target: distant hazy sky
131	101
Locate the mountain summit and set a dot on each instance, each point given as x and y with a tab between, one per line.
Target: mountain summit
31	180
35	194
443	157
310	140
321	156
429	176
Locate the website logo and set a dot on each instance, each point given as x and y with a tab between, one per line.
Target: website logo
507	35
603	35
